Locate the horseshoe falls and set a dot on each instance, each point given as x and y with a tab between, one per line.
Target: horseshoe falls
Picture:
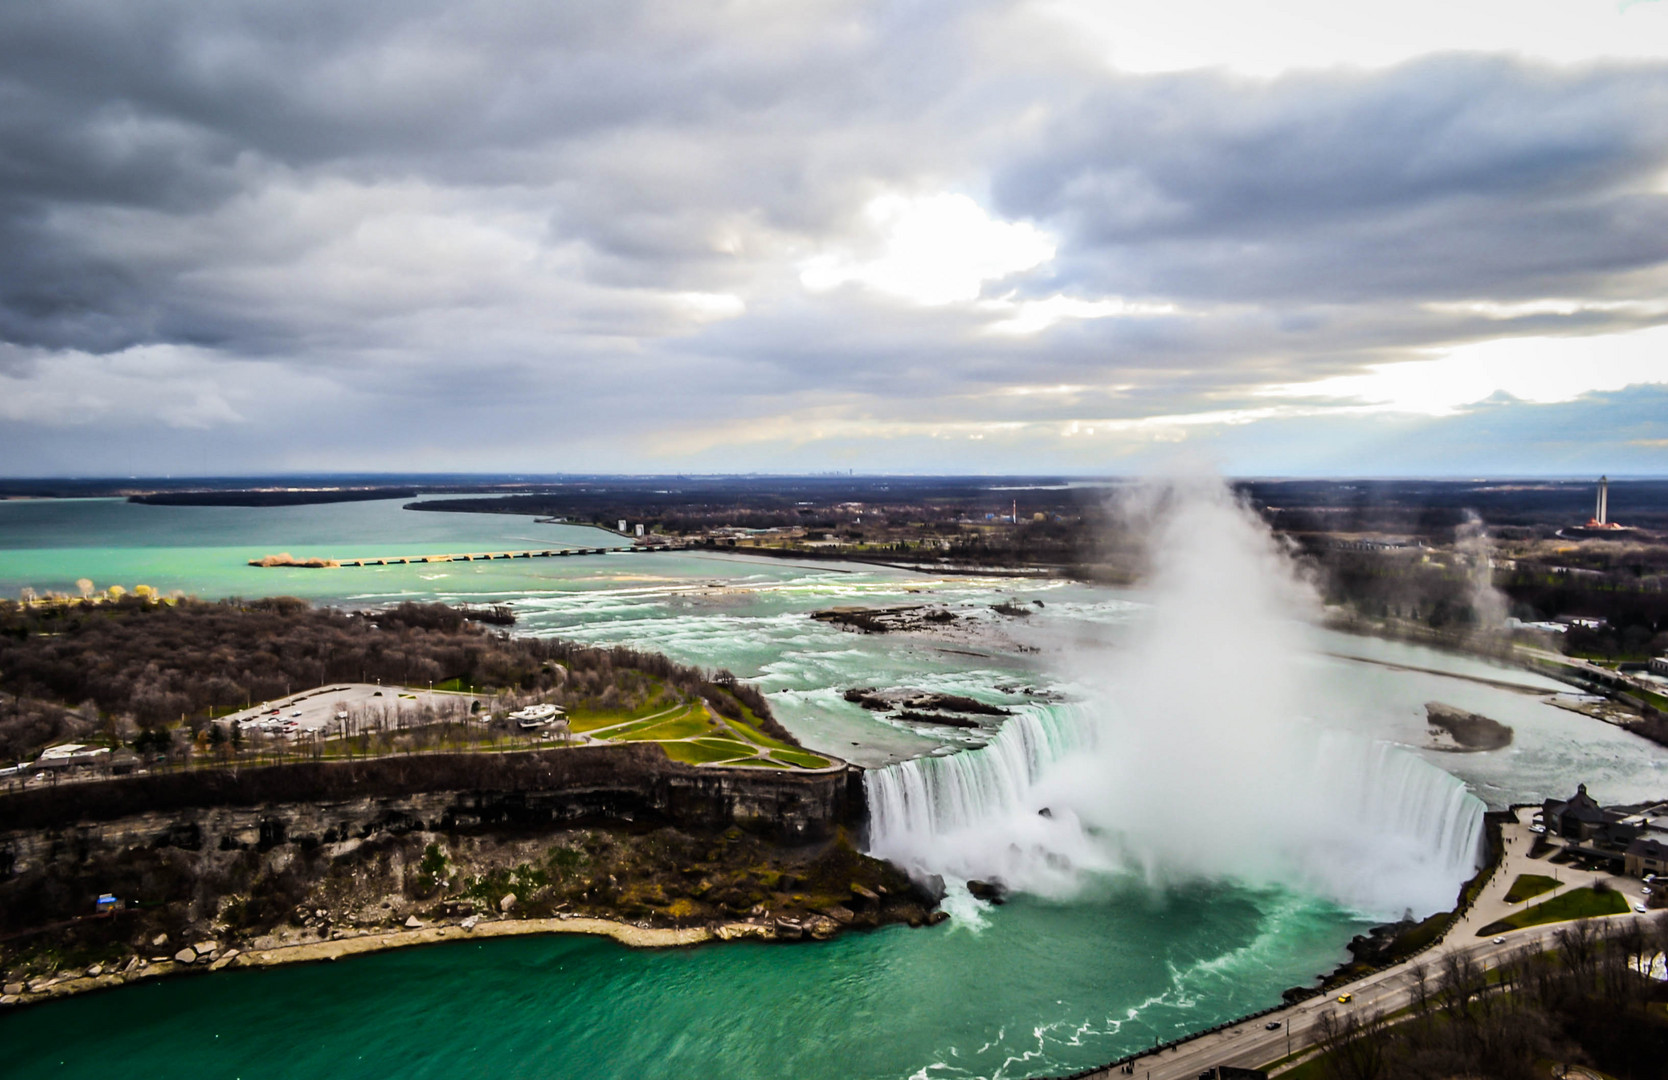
1052	799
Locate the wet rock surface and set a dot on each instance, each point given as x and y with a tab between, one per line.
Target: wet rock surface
1469	732
924	707
888	620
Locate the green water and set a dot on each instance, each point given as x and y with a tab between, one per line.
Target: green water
1042	988
204	550
1039	988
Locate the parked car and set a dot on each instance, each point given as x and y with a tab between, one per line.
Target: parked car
1272	1025
1500	941
1345	999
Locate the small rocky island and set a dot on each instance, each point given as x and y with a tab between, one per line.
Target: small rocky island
1460	732
888	620
925	707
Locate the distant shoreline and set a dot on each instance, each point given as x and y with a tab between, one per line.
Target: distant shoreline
271	497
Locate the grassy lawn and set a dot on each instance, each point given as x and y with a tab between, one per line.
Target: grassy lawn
1575	904
1313	1069
582	720
736	747
748	728
802	758
458	686
1528	885
678	726
702	751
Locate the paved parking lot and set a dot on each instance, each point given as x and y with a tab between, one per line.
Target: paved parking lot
346	707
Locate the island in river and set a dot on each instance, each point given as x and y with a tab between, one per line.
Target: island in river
667	806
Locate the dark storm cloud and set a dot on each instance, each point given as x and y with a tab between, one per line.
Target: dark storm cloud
575	204
1454	176
641	126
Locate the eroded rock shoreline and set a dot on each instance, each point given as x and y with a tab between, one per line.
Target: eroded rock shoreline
623	843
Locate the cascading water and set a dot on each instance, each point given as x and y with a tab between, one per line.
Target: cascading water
1376	827
1189	757
975	814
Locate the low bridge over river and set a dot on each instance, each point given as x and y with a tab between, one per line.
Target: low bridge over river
466	556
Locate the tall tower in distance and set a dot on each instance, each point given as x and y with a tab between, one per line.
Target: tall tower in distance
1599	526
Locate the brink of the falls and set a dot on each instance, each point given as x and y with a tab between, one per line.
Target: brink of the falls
1368	825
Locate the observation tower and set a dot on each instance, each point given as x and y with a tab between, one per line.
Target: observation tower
1599	526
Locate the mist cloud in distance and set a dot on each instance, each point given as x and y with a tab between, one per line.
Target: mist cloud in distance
1193	751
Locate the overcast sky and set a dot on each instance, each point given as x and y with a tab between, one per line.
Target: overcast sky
1291	237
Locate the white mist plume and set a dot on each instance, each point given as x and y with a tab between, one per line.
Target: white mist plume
1487	602
1190	755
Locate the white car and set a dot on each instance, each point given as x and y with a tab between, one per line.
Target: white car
1537	828
1640	908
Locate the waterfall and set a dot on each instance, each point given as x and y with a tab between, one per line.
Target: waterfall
1050	799
976	814
1189	756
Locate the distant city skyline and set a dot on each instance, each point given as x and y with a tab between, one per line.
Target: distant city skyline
1032	237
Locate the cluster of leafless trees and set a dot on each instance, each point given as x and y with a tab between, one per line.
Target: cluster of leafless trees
1587	999
151	665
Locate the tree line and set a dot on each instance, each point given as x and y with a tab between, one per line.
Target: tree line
1588	999
131	666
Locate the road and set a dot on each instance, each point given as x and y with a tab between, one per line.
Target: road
1252	1045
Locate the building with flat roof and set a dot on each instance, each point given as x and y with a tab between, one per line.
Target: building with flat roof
1645	856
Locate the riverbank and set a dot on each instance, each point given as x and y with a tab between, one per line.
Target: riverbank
229	879
208	956
213	958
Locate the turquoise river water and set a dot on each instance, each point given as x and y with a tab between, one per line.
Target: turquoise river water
1040	986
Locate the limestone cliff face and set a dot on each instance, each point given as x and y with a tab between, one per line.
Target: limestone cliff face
281	855
327	802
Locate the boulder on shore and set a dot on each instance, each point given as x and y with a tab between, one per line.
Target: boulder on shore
929	890
993	891
187	955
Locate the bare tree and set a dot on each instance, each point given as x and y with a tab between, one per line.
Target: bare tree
1419	978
